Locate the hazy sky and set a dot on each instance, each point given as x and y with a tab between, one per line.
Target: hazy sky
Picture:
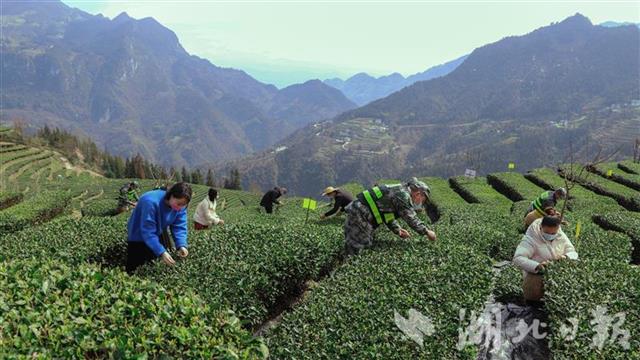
284	42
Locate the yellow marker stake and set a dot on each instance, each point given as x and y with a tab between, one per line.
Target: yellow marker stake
609	173
512	166
309	204
578	227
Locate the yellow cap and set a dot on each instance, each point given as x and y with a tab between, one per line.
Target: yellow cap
329	190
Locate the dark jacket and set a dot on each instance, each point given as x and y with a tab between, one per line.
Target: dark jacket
271	197
342	199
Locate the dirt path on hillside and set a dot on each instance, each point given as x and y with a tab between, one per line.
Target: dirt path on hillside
77	169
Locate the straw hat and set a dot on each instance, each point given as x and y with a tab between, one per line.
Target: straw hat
329	190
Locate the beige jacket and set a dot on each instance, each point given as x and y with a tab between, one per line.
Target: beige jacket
206	213
534	249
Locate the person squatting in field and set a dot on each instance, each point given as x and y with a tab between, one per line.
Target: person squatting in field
543	243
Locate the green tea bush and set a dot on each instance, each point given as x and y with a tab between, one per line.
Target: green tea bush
487	229
442	199
629	167
9	158
40	208
9	148
627	197
353	188
507	287
252	267
351	314
622	221
26	163
519	210
9	198
52	310
625	222
575	290
94	239
102	207
597	243
31	171
514	186
388	181
617	175
478	191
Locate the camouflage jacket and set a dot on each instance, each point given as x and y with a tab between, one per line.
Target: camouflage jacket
396	199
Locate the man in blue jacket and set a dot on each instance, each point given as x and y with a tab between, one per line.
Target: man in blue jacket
156	210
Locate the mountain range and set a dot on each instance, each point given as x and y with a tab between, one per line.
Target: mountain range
523	99
616	24
131	87
363	88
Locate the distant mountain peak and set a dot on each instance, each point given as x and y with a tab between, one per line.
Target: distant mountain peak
122	17
309	84
577	20
361	75
152	22
313	82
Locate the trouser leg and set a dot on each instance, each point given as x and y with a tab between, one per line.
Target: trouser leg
138	254
268	208
358	234
533	287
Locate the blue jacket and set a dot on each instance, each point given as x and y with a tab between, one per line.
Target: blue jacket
150	216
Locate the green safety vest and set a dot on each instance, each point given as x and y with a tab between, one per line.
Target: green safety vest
132	195
369	198
537	203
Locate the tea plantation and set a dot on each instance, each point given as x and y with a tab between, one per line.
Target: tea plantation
281	287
